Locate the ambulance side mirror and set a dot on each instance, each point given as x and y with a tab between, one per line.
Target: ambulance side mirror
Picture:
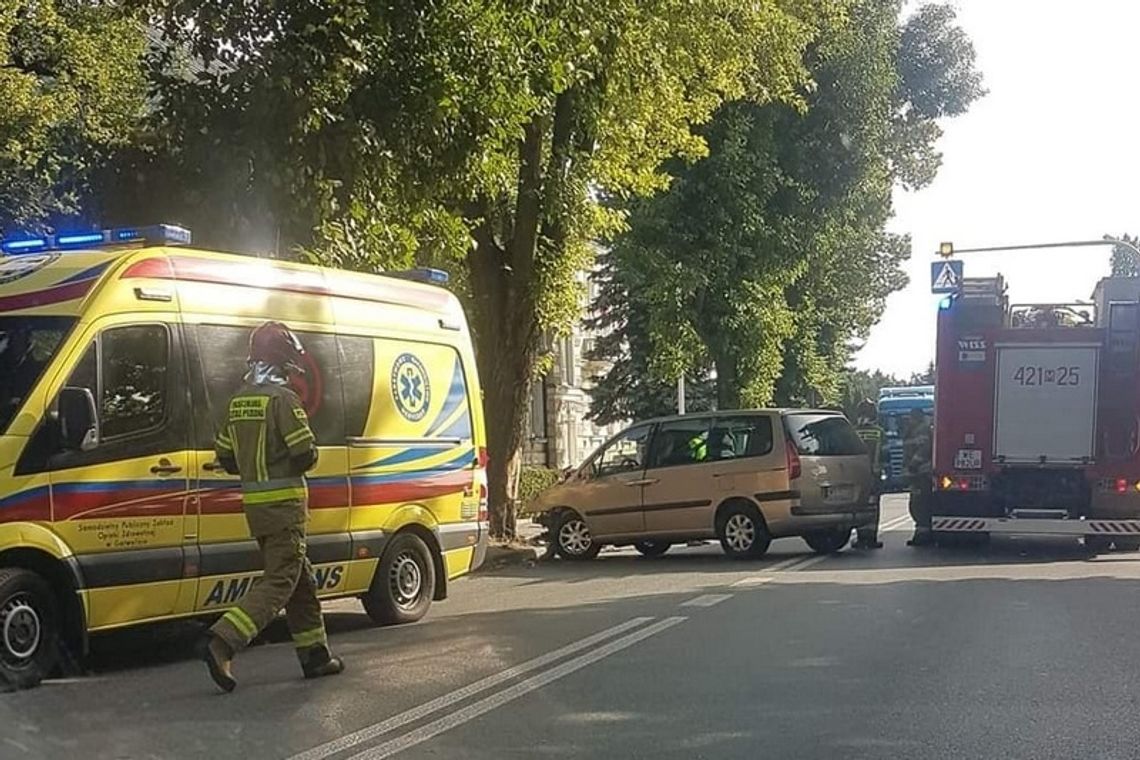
78	419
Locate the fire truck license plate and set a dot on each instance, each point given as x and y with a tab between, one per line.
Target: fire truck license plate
968	459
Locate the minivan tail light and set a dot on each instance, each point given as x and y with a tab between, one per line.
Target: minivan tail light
794	467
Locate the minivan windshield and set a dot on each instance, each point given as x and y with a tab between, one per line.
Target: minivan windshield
27	344
823	435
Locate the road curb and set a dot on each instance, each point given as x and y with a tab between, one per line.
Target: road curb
510	555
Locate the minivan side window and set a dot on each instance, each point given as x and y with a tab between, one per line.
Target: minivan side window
680	442
740	437
626	453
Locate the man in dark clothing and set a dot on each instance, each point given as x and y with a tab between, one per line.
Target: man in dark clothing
268	442
867	428
918	453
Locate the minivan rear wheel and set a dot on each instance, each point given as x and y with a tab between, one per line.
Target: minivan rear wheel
742	532
652	548
828	541
572	539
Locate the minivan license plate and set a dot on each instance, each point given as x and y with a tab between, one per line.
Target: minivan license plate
839	493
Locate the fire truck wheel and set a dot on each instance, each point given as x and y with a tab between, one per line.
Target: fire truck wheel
1127	544
1097	543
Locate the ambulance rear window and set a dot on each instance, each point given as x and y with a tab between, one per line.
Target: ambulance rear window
27	346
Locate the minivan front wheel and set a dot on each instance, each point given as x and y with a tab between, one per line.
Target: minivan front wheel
742	532
572	539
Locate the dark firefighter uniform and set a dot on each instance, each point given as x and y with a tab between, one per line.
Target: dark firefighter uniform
267	440
867	536
918	453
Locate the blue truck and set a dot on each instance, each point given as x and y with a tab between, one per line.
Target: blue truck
895	405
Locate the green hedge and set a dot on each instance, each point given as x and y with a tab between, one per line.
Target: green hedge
532	482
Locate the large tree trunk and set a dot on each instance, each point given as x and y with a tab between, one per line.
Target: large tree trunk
506	328
727	383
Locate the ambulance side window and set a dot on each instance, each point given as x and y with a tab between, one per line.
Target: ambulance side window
222	352
139	398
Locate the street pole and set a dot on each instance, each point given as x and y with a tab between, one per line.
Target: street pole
946	250
681	394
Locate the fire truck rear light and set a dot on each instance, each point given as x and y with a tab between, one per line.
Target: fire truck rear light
947	483
1121	485
963	485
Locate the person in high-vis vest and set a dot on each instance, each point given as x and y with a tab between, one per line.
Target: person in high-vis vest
266	439
868	430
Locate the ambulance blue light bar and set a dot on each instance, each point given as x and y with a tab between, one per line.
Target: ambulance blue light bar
158	234
424	274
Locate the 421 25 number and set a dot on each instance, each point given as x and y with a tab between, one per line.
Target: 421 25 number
1030	375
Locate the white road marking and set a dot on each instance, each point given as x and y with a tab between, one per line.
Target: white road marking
500	698
753	580
895	523
427	708
706	600
783	565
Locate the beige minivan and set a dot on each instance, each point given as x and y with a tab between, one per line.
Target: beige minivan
743	477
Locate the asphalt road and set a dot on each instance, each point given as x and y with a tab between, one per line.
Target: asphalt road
1023	649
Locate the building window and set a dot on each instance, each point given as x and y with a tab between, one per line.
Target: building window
538	410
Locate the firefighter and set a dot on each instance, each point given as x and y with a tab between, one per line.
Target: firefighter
918	451
268	442
867	536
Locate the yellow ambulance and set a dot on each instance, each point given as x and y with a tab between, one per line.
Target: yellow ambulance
119	350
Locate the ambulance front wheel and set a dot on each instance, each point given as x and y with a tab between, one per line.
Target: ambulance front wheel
29	629
404	583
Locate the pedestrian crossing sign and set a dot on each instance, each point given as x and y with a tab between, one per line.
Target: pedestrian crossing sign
945	276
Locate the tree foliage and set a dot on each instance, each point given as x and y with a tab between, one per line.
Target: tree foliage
768	258
478	132
72	86
1125	262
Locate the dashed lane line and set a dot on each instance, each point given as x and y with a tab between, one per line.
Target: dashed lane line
706	600
368	733
500	698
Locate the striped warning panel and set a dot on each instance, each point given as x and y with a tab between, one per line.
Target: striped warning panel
1115	527
958	524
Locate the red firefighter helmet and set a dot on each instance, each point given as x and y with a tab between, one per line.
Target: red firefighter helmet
275	344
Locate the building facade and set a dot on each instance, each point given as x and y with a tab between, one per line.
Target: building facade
560	436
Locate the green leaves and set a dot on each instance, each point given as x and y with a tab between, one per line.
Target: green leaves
72	88
769	259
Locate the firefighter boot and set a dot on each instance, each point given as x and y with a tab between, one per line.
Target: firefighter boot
218	657
318	661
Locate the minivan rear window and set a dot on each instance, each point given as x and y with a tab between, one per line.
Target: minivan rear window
823	435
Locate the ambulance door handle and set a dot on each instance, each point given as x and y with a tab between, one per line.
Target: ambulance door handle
164	467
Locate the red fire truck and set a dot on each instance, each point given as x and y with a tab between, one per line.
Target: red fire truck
1037	415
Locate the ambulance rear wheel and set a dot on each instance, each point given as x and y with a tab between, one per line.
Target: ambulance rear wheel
404	583
29	629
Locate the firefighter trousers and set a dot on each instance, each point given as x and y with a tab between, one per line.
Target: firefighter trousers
287	582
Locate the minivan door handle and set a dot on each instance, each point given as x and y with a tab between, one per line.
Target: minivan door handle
646	482
164	467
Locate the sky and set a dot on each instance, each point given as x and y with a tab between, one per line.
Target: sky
1051	154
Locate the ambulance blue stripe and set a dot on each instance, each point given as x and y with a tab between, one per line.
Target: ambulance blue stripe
86	274
456	395
461	428
457	463
24	496
413	454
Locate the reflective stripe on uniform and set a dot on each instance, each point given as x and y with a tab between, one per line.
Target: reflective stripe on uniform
309	638
298	436
223	441
241	622
269	491
262	467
